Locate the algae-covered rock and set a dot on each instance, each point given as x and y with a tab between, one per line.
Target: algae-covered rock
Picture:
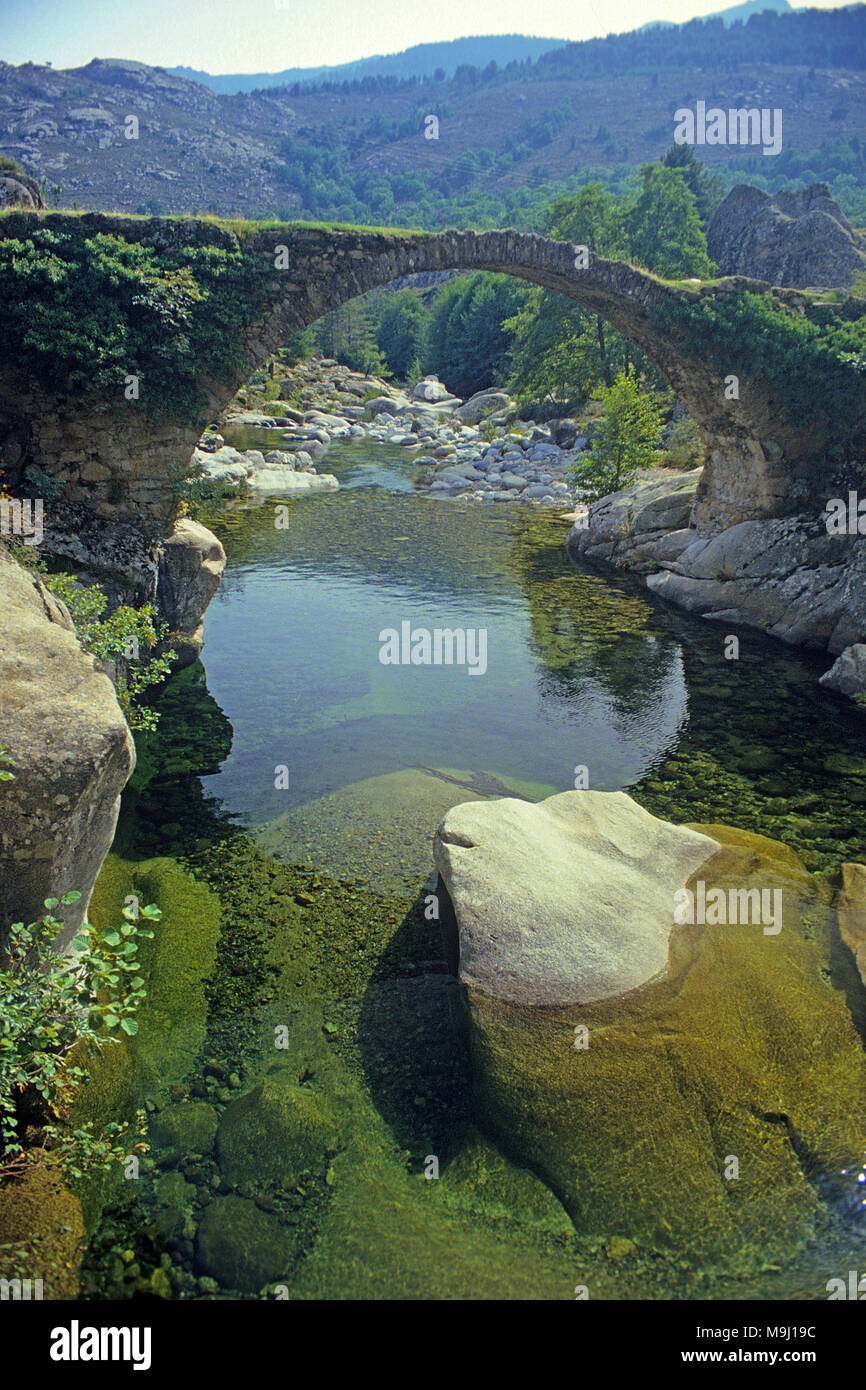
714	1110
242	1247
273	1133
188	1128
852	913
173	1197
41	1232
567	901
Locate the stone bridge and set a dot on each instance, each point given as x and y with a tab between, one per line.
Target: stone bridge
115	463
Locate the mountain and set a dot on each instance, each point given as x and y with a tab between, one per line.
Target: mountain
420	61
117	134
732	15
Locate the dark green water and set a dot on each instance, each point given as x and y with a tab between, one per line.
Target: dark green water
318	882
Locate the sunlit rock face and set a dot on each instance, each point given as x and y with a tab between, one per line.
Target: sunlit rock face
568	901
70	754
719	1108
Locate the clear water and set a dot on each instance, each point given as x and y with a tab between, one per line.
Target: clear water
320	915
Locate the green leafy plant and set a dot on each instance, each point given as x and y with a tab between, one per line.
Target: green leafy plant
625	439
5	774
118	638
48	1004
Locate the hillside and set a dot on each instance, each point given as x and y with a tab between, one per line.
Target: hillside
422	60
508	139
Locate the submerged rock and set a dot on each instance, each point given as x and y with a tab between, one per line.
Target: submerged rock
242	1247
273	1133
716	1111
567	901
852	913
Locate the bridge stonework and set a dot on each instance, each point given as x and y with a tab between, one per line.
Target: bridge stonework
115	464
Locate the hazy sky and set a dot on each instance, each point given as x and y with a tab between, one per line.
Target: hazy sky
269	35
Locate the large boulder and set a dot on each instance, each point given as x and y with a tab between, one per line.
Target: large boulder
273	1133
641	525
696	1113
798	237
563	902
482	404
18	190
848	672
191	564
786	576
71	754
242	1247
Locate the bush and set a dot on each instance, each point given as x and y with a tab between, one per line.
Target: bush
118	638
625	439
48	1004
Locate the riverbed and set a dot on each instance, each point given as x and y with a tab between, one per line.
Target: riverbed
284	812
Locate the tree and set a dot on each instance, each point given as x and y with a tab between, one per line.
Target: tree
625	439
706	187
664	229
400	330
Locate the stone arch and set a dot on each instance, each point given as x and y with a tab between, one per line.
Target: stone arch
116	466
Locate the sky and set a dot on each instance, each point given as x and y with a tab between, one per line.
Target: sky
221	36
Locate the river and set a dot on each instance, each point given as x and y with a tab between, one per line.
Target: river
288	800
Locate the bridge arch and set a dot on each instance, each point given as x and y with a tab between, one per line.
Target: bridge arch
116	465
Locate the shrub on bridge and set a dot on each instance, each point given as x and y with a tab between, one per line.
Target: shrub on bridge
86	312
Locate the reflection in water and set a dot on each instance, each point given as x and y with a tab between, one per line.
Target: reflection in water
583	669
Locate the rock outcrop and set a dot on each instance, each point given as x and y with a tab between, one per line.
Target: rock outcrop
695	1112
852	913
799	238
848	672
191	564
569	901
19	190
70	749
787	576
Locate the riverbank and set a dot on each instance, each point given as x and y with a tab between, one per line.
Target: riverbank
477	450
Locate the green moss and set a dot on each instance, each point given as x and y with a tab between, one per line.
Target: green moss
744	1051
41	1232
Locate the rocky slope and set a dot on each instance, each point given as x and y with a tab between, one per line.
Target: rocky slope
70	753
799	238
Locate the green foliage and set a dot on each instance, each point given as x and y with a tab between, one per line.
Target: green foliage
684	447
817	357
400	330
467	344
664	230
117	638
48	1003
625	439
87	311
194	490
348	334
5	774
707	188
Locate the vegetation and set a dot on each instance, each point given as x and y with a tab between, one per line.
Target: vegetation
49	1004
120	638
817	356
95	311
625	440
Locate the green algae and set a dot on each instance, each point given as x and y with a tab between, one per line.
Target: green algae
744	1051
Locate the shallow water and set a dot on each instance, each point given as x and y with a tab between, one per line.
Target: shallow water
319	880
